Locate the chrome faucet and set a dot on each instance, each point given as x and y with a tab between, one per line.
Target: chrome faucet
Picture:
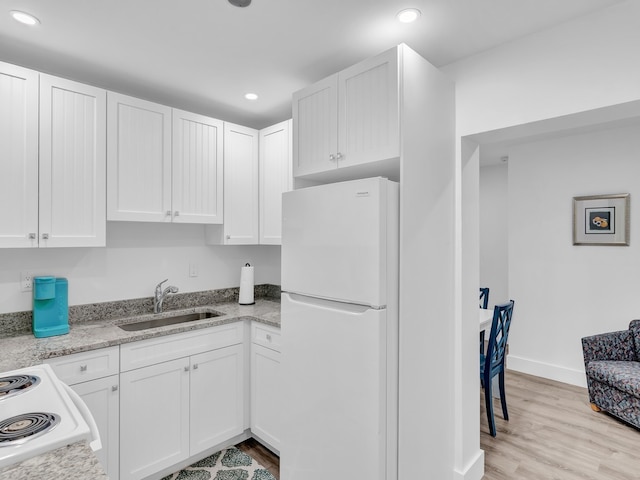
160	295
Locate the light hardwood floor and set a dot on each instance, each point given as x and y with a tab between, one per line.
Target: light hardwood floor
552	434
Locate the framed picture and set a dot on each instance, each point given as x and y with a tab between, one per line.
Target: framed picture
601	220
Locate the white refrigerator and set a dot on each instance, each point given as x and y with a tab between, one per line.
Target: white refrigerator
340	331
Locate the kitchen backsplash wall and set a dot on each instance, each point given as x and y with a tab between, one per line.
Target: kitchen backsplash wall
137	257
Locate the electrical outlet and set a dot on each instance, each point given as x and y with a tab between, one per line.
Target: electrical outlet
26	281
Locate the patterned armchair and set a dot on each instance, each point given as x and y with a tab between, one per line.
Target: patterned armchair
612	365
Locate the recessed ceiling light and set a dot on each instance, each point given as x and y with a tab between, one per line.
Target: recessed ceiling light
251	96
240	3
408	15
25	18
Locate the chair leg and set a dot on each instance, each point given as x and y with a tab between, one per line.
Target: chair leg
481	342
503	398
488	401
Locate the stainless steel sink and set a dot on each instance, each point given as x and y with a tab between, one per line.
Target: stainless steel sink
164	321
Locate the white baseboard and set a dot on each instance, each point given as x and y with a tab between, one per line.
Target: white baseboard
474	470
547	370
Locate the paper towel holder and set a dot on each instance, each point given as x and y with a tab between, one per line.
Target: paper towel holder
246	290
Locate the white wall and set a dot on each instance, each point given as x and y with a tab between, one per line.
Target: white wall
564	292
580	65
494	220
137	257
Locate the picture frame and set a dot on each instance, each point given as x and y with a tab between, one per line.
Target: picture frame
601	220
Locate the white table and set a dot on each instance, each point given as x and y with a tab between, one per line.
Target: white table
486	315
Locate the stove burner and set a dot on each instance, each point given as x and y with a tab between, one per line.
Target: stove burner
26	426
16	384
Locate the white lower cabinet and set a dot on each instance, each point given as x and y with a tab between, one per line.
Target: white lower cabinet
265	385
102	397
154	418
160	401
94	376
217	397
174	408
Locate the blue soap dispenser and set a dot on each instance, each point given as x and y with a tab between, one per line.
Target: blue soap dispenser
50	306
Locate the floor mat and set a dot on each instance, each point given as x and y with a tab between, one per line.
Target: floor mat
229	464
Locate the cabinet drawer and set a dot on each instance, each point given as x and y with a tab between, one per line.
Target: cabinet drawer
265	335
162	349
85	366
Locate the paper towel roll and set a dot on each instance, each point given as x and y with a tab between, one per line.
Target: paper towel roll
246	285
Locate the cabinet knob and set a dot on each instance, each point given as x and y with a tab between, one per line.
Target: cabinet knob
332	157
176	213
168	213
338	156
186	369
114	388
195	366
268	337
45	236
32	236
83	368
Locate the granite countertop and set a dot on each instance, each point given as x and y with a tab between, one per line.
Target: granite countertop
96	326
72	461
24	350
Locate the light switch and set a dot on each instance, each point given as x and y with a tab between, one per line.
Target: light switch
193	270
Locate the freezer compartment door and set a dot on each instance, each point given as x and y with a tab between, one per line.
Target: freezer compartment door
334	242
334	391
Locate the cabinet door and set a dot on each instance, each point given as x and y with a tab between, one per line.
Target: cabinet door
265	395
217	397
197	168
315	127
368	121
154	418
138	160
275	178
72	164
19	153
102	399
241	217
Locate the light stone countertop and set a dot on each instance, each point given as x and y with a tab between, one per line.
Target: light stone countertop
18	351
25	350
71	461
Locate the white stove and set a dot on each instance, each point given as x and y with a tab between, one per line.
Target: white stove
39	413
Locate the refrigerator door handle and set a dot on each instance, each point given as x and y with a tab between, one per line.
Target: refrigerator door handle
330	304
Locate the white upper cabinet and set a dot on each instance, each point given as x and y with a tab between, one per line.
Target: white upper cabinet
240	185
315	127
368	117
52	174
164	165
241	212
275	178
19	152
348	119
197	168
138	160
72	164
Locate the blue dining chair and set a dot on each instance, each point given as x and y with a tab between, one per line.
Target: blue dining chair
484	297
484	303
493	363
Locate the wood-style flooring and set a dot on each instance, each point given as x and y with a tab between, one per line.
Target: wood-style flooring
262	455
552	434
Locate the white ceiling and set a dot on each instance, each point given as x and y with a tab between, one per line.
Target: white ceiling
204	55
